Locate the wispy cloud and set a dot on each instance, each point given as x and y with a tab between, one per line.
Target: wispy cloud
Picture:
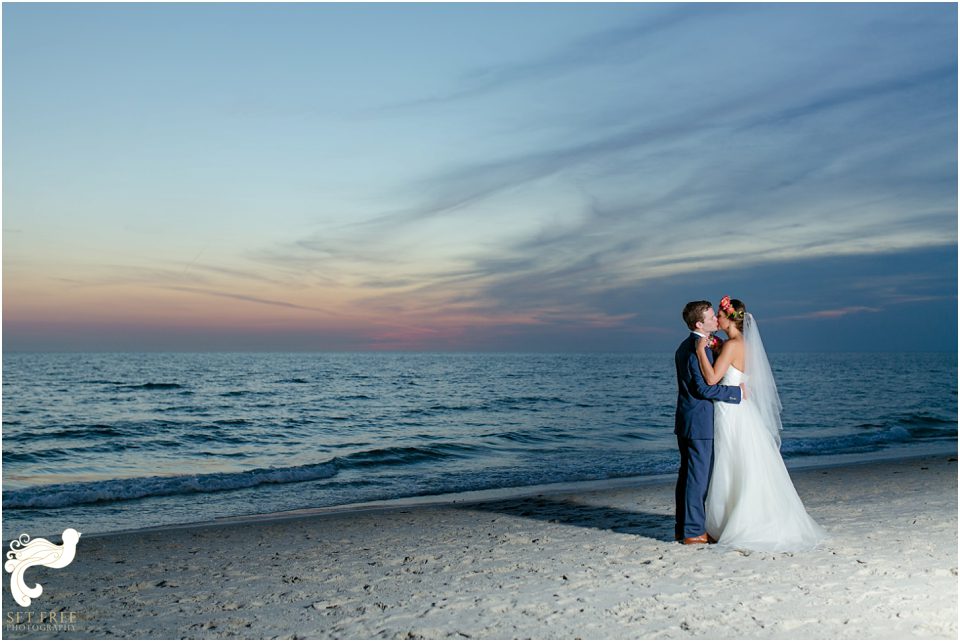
245	275
621	45
245	297
829	314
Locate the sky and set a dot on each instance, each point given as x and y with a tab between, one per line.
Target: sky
477	177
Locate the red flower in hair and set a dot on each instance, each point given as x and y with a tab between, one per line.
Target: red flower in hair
725	305
728	310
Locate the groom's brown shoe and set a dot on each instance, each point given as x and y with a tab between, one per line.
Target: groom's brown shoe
699	539
710	539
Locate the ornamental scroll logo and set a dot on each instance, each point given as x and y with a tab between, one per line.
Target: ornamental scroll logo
24	553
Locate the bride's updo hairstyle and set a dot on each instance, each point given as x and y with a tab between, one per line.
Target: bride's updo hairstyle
735	310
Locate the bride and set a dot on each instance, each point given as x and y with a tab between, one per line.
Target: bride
751	502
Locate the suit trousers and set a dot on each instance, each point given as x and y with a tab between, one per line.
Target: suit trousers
696	466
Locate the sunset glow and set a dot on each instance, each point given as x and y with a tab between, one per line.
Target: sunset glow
474	177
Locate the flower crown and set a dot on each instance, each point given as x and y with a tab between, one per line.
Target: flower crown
727	309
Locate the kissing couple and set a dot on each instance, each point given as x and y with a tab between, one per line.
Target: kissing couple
733	488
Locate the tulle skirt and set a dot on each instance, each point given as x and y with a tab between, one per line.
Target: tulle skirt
751	502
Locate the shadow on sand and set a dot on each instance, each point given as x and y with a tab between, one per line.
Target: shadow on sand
652	525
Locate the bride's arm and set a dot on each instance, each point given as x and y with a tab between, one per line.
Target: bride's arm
714	373
715	392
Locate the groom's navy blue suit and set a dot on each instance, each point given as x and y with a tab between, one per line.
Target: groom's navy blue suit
694	430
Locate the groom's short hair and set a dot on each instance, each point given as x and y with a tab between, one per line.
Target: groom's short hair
694	311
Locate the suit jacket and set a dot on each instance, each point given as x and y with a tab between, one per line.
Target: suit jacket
694	419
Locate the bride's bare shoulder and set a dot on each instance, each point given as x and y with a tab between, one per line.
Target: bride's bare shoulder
735	344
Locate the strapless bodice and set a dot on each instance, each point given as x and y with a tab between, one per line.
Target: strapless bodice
733	377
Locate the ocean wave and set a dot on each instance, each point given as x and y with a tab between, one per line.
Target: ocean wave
215	434
29	456
634	435
898	431
922	419
152	386
918	424
64	495
403	455
79	431
509	401
237	455
46	455
438	409
199	411
524	437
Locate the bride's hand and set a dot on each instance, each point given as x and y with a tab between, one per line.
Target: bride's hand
702	343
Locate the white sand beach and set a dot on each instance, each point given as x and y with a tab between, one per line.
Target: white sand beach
590	561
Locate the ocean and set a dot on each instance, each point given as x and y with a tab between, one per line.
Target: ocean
112	441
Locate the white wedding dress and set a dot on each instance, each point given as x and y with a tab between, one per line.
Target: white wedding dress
751	502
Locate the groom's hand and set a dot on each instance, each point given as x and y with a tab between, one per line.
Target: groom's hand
743	391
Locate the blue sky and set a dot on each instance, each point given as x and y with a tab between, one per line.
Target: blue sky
477	177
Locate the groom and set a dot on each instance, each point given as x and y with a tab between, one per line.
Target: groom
694	424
